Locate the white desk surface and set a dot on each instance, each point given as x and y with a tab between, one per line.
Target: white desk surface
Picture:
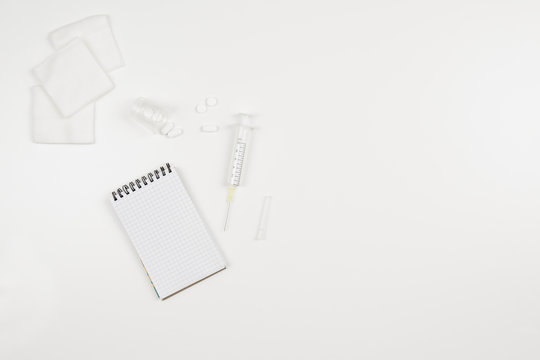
399	140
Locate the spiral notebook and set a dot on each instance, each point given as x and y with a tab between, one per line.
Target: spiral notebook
167	231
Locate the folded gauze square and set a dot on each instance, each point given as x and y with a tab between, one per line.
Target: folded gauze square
73	78
50	127
97	33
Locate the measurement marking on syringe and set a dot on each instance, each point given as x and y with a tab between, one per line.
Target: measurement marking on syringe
239	154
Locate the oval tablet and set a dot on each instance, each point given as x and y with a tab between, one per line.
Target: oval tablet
166	128
211	101
209	128
201	108
175	132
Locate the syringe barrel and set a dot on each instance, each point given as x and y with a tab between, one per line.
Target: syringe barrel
239	152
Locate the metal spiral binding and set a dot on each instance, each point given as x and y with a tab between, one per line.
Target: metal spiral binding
139	183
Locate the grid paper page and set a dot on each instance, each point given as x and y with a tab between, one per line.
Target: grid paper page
168	234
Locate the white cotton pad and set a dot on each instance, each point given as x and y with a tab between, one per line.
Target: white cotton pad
97	33
73	78
50	127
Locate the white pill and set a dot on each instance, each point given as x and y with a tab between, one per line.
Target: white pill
211	101
166	128
209	128
201	108
148	112
175	132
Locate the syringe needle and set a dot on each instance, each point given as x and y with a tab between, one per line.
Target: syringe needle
227	217
230	196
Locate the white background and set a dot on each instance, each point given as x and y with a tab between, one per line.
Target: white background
398	139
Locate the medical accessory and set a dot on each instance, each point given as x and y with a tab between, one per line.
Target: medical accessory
238	158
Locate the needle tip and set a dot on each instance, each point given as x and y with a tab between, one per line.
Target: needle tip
227	217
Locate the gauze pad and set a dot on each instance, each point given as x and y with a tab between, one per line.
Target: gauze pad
97	33
73	78
50	127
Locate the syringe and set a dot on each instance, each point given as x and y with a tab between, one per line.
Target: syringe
238	158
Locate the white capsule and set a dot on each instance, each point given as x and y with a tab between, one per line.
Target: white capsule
167	128
175	132
201	108
210	128
211	101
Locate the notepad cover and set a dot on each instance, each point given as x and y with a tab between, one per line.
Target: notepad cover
168	234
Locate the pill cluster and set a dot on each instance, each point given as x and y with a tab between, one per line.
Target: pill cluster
203	106
154	118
